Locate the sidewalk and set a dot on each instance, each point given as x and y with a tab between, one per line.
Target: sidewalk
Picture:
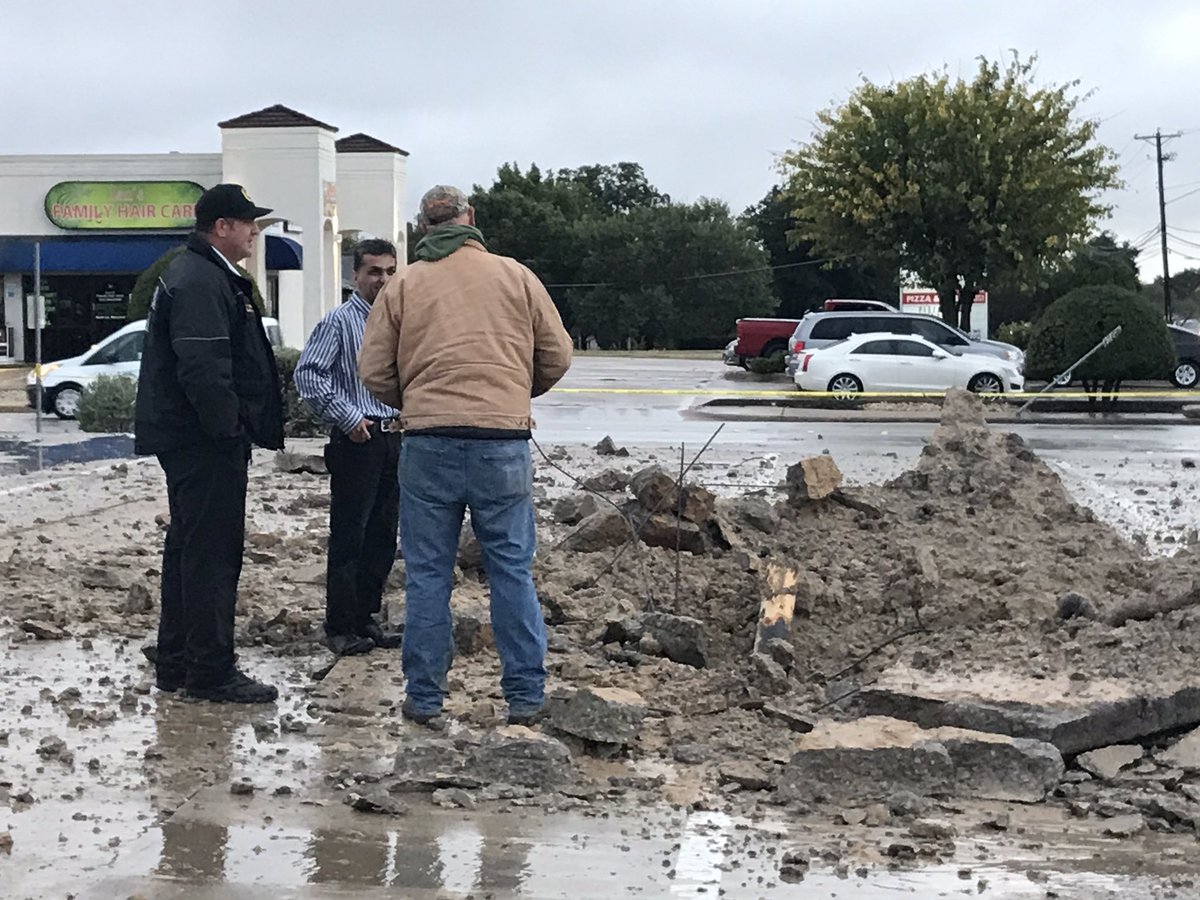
12	388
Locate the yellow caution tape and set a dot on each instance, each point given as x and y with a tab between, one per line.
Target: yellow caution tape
893	395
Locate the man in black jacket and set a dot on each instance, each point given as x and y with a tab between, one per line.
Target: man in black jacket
208	389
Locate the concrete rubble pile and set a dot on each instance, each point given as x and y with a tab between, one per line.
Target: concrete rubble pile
866	652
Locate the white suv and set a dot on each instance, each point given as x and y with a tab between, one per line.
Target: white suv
118	354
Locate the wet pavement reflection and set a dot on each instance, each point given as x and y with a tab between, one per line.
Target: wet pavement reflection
19	457
144	808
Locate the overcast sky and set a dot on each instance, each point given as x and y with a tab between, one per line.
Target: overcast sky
704	94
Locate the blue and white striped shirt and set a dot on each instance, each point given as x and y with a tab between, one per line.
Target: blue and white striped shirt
327	373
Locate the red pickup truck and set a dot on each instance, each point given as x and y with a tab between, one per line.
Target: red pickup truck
762	337
766	337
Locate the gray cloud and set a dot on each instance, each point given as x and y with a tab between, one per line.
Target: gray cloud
704	94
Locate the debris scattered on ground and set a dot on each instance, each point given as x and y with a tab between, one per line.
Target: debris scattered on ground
882	655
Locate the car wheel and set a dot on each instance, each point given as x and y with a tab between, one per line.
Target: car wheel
844	387
770	348
1186	374
986	383
65	401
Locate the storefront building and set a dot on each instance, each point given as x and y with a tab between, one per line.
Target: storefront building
100	220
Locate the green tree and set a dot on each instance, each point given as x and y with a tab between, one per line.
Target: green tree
1074	324
964	184
678	275
1099	261
802	281
623	263
619	188
1185	294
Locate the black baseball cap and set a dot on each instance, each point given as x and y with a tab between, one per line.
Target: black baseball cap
226	201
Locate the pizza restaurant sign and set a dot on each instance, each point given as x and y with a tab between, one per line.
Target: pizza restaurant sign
122	205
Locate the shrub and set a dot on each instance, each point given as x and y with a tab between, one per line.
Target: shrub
1016	333
298	419
767	365
1076	322
143	288
107	404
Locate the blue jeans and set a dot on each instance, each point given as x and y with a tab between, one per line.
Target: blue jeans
443	477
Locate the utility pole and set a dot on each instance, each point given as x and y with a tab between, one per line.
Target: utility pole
1162	210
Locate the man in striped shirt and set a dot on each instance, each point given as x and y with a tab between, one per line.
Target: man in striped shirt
362	457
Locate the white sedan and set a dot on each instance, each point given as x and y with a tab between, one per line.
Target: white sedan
901	363
118	354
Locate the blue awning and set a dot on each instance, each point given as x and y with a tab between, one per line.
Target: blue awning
87	254
115	253
283	254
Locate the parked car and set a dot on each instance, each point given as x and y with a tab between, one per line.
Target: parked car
762	337
729	355
884	362
848	304
1186	373
817	330
118	354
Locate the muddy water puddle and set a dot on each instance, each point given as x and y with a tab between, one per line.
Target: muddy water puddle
134	799
20	457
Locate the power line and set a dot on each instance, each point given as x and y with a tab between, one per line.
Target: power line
1188	194
1176	237
807	262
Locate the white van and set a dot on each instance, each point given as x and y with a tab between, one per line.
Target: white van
118	354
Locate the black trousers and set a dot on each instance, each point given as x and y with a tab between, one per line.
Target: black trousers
364	508
202	561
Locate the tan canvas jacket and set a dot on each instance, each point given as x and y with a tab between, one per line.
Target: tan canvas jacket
464	341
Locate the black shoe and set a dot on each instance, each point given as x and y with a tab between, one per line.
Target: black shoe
421	718
527	719
168	682
349	644
388	640
237	688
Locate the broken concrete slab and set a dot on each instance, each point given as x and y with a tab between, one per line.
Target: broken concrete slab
814	478
608	447
426	760
1107	762
574	508
471	612
44	631
1184	754
746	775
610	481
1073	716
697	503
798	722
666	531
757	512
1124	826
602	530
296	463
655	490
682	638
103	578
606	715
518	755
867	759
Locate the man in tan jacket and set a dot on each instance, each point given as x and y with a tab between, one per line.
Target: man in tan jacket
459	342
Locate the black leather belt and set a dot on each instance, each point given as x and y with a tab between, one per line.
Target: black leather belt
385	426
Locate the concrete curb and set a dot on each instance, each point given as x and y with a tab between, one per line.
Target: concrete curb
761	412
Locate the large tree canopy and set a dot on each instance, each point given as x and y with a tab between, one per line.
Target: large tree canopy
965	184
623	263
